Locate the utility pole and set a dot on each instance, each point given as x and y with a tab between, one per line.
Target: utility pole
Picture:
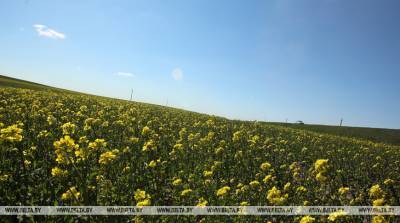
166	104
131	94
341	121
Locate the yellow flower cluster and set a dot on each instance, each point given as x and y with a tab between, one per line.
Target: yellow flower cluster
149	146
97	144
202	202
275	196
66	150
336	215
376	193
223	191
68	128
71	194
142	198
57	172
11	134
265	166
307	219
108	157
321	168
186	192
177	182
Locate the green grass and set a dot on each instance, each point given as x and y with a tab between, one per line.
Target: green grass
16	83
388	136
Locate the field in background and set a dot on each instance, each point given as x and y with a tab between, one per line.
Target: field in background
61	148
389	136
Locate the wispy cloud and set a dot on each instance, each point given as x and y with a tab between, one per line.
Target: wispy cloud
125	74
177	74
45	31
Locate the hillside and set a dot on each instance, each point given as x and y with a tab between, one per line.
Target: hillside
390	136
75	149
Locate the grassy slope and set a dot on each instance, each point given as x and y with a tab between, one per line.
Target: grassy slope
390	136
17	83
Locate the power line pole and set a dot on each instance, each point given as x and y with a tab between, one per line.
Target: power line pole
341	121
131	94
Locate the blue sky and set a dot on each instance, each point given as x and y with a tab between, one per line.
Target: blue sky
311	60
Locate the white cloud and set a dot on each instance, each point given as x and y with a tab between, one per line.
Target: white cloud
125	74
45	31
177	74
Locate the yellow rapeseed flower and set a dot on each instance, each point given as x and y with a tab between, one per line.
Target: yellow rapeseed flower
275	196
108	157
11	134
186	192
254	183
378	202
375	191
336	215
223	191
146	130
343	190
379	219
202	202
71	194
177	182
321	165
267	178
97	144
265	166
152	164
307	219
68	128
207	173
57	172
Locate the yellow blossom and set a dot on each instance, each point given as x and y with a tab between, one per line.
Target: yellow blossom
301	189
336	215
186	192
145	202
343	190
71	194
378	202
177	182
202	202
11	134
148	146
223	191
275	196
56	172
68	128
146	130
321	165
108	157
375	191
244	203
307	219
265	166
287	186
267	178
254	183
379	219
97	144
321	178
207	173
152	164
